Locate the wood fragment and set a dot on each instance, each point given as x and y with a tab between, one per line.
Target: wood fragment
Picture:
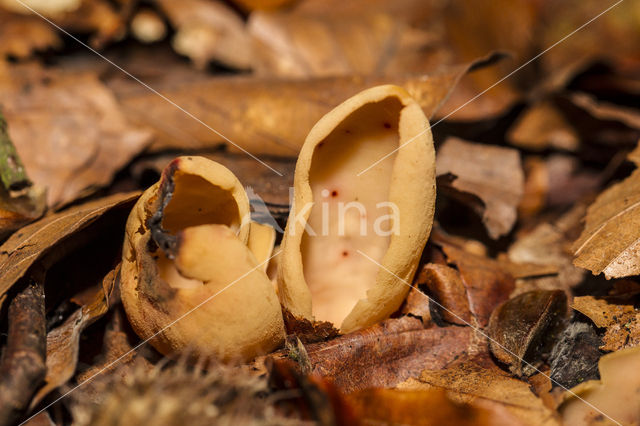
23	362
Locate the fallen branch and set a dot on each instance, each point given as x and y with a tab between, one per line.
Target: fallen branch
23	362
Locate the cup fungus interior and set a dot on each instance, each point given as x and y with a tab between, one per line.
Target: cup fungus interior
350	213
194	201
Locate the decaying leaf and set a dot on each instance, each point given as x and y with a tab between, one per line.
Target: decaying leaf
430	407
611	237
492	175
75	120
487	282
611	400
208	30
334	42
543	126
63	342
575	355
446	287
480	381
20	36
524	327
622	321
261	116
56	231
547	244
104	20
388	353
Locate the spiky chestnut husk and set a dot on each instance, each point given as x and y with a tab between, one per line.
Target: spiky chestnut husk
177	395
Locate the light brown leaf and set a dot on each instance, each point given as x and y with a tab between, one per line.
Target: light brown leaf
262	116
492	174
334	42
20	36
615	395
622	321
36	240
543	126
208	30
610	242
547	245
480	381
68	130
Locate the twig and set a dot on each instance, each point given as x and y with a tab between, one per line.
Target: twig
23	365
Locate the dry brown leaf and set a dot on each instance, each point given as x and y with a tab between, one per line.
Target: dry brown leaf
543	126
487	282
20	36
607	111
422	407
611	400
523	328
492	174
613	36
208	30
547	245
262	4
298	44
104	20
63	342
480	381
36	240
82	136
446	287
622	321
388	353
610	241
261	116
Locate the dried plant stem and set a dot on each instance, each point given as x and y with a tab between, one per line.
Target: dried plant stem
23	368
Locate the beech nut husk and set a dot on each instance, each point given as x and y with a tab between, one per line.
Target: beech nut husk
352	212
188	273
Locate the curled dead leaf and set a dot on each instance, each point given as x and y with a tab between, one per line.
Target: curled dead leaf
523	328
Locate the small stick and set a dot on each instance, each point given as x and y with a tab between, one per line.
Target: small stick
12	172
23	367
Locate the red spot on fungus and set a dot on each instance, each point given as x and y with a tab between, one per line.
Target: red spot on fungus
387	125
345	253
334	193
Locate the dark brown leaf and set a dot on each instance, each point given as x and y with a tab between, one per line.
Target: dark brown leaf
31	243
446	287
63	342
523	328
